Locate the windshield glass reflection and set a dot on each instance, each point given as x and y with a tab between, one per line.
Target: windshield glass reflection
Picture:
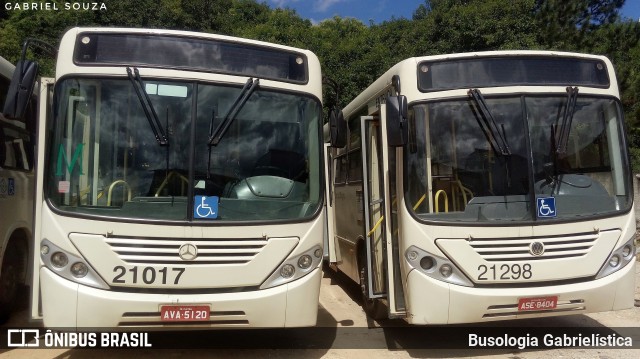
456	174
106	160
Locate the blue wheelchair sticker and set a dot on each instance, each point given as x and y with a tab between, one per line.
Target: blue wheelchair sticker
205	207
11	188
546	207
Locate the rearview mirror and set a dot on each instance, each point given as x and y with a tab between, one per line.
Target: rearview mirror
337	129
396	120
20	90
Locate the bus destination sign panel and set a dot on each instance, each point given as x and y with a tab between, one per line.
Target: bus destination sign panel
190	53
467	73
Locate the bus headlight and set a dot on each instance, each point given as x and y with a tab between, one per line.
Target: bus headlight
618	259
294	267
287	271
305	261
446	270
57	260
614	261
427	263
79	269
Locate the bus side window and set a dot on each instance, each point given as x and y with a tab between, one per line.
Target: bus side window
15	149
340	170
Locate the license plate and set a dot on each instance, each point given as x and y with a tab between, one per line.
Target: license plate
543	303
184	313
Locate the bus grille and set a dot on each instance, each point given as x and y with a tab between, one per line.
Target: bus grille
518	249
202	251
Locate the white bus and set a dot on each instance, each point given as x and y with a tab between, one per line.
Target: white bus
179	182
486	186
16	198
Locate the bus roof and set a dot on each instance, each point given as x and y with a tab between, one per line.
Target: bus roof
67	60
407	70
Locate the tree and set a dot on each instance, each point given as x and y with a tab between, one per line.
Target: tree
349	55
568	24
47	26
448	26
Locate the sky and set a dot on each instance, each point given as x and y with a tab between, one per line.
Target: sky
381	10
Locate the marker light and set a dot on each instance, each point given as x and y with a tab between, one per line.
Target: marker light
44	249
59	260
627	251
317	253
412	255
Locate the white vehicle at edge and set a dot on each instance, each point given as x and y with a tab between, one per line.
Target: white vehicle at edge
16	199
485	186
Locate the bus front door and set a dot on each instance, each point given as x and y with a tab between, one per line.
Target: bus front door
374	207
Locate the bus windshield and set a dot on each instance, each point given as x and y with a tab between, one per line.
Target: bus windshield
456	173
106	160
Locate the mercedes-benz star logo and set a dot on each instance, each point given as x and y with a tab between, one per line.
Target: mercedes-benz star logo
536	249
188	252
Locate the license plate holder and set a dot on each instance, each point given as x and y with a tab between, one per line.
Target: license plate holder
537	303
184	313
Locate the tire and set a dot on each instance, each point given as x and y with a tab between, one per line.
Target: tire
374	308
12	269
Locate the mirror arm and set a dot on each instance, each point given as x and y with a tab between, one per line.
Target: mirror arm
48	48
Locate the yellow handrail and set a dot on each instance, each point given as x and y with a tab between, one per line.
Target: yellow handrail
116	182
420	201
376	226
166	180
446	201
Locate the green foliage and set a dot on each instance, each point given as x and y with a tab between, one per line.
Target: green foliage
353	54
476	25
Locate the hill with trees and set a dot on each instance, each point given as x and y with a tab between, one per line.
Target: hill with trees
353	53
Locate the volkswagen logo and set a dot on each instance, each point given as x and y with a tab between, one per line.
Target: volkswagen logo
188	252
536	249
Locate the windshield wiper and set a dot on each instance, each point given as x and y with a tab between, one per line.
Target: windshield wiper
567	118
245	93
147	106
496	138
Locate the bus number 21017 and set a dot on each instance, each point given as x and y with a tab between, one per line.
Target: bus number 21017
148	275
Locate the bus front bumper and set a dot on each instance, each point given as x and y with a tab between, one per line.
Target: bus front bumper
66	304
431	301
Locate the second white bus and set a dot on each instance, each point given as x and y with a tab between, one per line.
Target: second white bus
486	186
